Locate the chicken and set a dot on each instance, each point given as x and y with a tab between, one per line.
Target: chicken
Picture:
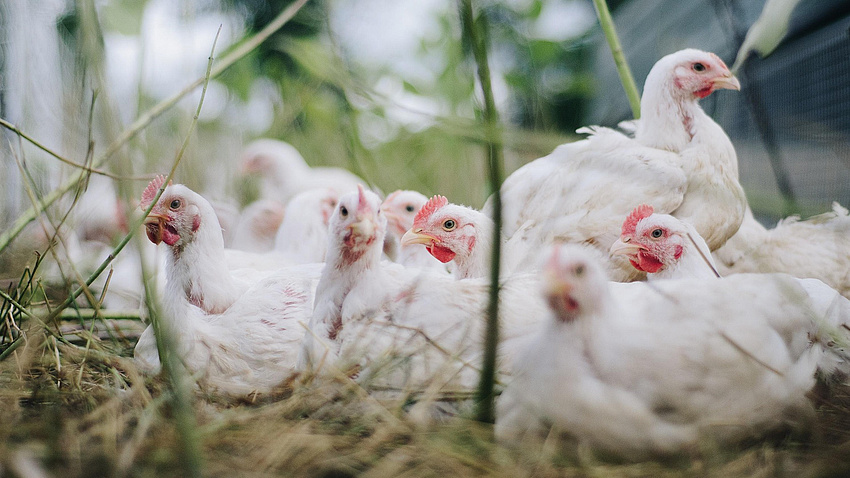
235	336
300	239
674	255
460	234
400	208
816	248
664	247
284	173
303	236
408	327
638	369
257	226
680	162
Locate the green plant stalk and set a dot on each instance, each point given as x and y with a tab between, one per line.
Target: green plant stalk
145	119
184	412
485	396
623	69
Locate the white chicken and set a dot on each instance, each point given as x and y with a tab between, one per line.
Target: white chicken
663	247
257	226
817	248
284	173
638	368
413	326
464	236
235	337
400	208
303	236
300	239
668	248
680	162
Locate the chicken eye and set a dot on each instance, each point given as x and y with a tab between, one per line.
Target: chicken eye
656	233
409	208
578	271
343	211
175	204
698	67
449	224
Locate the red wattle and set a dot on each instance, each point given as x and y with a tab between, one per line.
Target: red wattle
441	253
649	263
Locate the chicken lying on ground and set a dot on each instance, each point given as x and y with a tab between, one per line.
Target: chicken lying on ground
641	368
400	208
818	247
406	327
257	226
235	336
667	248
462	235
680	162
284	173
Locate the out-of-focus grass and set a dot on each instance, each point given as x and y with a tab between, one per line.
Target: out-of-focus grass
110	421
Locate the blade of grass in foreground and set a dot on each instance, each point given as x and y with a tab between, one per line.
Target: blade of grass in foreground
474	32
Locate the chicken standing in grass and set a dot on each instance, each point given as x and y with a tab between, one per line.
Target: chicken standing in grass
284	173
423	325
680	162
235	336
818	247
637	368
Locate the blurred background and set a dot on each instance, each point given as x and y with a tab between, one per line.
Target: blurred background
387	90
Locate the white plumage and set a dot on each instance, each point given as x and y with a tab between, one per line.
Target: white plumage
680	162
427	326
638	368
235	335
284	173
818	247
303	236
257	226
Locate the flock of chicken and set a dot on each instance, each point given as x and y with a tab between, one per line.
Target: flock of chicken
615	326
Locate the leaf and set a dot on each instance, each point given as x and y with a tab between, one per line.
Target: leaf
768	31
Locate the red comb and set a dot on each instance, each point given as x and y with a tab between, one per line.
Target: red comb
150	192
432	205
641	212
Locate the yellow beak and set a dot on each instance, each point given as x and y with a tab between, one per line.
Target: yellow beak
417	237
727	82
625	248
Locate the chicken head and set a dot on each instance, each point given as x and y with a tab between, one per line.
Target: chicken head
175	218
446	230
400	209
357	223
